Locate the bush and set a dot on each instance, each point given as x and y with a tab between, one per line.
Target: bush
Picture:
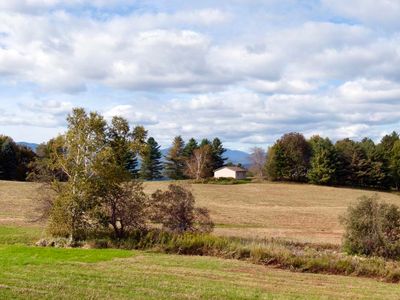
372	228
175	210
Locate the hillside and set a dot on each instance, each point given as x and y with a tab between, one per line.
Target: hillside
299	212
296	212
291	211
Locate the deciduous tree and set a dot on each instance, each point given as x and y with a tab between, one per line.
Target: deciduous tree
81	144
258	159
199	164
289	158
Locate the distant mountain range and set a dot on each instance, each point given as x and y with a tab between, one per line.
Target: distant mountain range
234	156
32	146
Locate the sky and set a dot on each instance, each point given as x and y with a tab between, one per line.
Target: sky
246	71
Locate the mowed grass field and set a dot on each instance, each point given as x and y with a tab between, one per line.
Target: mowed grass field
298	212
28	272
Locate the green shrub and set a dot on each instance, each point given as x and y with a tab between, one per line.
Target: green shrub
175	210
372	228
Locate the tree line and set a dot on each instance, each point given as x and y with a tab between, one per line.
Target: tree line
347	163
14	159
191	160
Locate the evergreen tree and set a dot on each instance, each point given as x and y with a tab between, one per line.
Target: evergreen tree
384	152
131	164
323	161
217	154
355	168
368	147
190	147
376	171
25	156
151	165
276	163
14	160
175	161
8	159
205	142
387	143
395	164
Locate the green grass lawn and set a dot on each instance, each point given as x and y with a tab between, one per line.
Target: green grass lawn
28	272
20	235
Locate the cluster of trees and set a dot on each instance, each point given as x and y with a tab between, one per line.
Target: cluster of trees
346	162
92	169
183	161
130	144
14	159
193	160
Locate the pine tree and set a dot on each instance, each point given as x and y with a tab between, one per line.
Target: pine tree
151	165
323	161
354	166
190	147
204	142
131	164
8	158
217	154
384	151
395	164
175	161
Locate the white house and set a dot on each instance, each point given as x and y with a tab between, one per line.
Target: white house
230	172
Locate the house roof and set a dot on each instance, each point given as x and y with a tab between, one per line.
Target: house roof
233	168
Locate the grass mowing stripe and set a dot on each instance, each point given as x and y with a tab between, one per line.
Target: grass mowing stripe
22	255
20	235
144	275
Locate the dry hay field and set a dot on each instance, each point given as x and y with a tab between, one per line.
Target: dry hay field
297	212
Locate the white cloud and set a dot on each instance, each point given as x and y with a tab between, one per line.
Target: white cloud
132	114
42	114
382	12
52	107
201	71
60	51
